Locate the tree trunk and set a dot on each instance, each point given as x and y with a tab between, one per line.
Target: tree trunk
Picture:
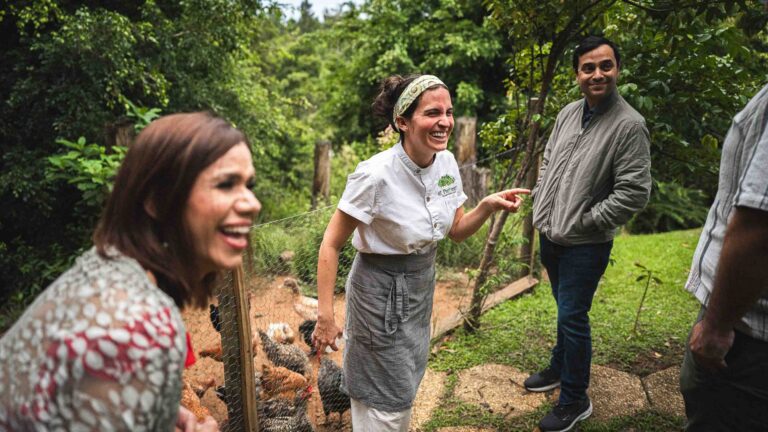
321	184
536	107
527	249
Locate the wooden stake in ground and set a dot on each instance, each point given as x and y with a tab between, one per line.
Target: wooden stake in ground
474	179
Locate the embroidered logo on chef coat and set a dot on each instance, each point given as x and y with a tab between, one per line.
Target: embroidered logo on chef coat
447	185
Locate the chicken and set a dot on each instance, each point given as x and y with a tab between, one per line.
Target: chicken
277	407
281	332
305	307
289	356
191	401
215	352
295	421
213	313
305	312
201	387
277	381
306	329
221	391
282	400
329	379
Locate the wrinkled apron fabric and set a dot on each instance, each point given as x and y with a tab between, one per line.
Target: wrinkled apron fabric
388	311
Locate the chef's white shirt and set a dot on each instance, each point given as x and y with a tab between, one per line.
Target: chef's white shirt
403	208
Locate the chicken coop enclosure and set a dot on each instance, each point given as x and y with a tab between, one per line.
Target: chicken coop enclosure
259	325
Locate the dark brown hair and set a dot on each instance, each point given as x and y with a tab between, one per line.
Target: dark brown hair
144	215
390	90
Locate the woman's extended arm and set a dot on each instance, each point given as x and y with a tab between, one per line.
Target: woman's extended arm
336	234
464	225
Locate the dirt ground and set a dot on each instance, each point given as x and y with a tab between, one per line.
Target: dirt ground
273	302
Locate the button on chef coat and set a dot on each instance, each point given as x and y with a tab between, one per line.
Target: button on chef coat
403	208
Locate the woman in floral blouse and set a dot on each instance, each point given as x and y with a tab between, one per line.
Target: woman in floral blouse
103	347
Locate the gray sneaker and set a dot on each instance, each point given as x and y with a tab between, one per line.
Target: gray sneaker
542	381
563	418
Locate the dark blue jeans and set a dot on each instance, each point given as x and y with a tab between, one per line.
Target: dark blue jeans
574	272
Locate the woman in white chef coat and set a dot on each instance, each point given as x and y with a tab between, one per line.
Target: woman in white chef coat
399	204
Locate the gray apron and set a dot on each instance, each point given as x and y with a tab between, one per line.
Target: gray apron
388	312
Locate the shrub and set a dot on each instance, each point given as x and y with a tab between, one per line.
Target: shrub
268	243
464	254
308	244
671	207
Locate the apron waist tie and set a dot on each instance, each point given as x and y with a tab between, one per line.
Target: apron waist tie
397	305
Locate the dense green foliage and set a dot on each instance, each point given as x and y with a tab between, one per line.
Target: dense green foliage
71	70
452	39
76	74
666	49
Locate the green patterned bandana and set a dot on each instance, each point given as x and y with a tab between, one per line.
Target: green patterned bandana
414	89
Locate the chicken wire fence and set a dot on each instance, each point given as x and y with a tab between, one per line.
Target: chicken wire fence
296	389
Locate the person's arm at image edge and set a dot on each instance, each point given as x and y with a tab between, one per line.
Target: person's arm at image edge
741	278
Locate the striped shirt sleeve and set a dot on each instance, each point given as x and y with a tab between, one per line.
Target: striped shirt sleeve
753	185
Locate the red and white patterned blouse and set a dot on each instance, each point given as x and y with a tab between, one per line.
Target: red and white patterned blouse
101	349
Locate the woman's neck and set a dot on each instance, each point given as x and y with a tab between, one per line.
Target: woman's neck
152	277
423	160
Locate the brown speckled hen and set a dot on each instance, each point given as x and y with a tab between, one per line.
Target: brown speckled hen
277	381
191	401
288	356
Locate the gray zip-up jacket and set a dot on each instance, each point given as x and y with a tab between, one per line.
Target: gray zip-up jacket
592	180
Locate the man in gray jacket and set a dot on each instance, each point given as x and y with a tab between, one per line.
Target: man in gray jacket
595	175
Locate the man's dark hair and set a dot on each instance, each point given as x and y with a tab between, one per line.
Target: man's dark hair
592	42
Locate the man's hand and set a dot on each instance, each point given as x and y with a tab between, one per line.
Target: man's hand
709	345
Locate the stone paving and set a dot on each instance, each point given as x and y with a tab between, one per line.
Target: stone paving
663	391
499	390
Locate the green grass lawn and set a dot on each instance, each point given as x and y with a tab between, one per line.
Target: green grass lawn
521	332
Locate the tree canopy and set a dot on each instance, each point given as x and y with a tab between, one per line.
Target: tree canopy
75	74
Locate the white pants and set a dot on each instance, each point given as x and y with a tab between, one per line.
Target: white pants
367	419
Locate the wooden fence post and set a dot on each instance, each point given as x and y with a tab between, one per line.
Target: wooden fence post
474	179
119	133
238	355
321	184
